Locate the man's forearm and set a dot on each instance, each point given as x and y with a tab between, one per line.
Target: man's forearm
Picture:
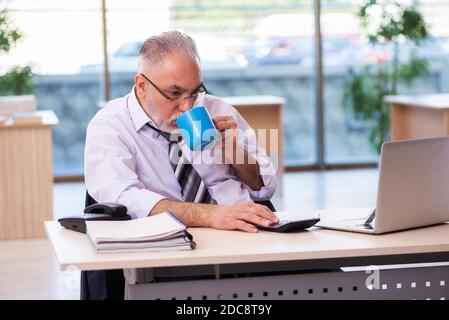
247	169
191	214
250	175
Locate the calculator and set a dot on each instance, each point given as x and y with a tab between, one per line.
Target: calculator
290	225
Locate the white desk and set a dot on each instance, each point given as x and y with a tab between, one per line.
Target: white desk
227	252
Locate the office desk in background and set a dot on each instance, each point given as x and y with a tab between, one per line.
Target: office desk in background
26	185
419	116
220	255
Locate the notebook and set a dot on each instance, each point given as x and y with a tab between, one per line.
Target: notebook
160	232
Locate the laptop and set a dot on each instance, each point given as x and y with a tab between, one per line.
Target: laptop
413	188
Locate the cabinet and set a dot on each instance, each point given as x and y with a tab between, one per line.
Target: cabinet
419	116
26	183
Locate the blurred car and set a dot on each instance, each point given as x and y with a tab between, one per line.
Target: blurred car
433	48
290	39
124	59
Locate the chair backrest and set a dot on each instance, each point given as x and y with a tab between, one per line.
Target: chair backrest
89	200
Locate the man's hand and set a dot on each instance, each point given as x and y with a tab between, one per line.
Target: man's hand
228	142
244	216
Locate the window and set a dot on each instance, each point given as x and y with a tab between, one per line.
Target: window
346	136
59	38
346	50
256	48
260	47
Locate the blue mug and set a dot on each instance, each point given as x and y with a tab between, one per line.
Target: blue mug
197	128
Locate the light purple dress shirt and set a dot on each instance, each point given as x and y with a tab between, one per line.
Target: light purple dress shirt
127	162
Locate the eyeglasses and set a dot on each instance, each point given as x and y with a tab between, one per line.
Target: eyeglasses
193	97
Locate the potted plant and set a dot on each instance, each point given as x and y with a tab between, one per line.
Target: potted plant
18	79
391	26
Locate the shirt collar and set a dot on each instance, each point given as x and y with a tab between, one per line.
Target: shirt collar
138	115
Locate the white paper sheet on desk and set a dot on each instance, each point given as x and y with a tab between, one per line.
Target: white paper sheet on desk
158	227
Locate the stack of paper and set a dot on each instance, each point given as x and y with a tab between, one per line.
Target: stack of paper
155	233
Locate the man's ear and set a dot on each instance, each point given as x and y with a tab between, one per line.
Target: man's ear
140	84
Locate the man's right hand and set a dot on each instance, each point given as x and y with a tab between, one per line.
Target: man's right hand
243	216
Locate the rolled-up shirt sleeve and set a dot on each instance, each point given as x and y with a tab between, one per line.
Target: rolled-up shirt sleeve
269	180
110	167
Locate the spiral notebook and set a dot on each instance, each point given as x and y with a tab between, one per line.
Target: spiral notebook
160	232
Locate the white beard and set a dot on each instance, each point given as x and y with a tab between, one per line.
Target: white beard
164	125
167	125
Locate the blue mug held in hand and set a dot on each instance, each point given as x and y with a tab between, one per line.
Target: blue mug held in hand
197	128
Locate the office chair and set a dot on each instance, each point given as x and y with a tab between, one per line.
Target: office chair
110	284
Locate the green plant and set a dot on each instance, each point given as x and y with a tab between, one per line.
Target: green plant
18	80
388	25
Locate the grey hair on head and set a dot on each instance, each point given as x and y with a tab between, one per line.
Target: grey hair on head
156	47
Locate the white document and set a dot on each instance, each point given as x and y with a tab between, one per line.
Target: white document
158	227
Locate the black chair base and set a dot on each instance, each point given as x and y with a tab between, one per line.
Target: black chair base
102	285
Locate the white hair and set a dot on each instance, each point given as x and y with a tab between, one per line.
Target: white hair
156	47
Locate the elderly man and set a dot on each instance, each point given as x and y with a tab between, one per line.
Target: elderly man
127	156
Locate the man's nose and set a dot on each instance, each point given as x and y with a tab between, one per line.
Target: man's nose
185	104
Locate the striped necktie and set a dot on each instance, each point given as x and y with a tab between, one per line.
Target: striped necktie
192	186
